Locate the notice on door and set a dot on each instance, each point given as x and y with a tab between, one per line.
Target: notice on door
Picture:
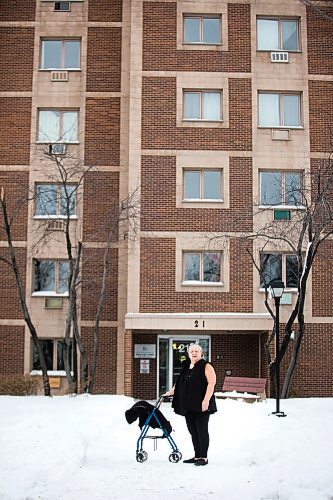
144	365
145	351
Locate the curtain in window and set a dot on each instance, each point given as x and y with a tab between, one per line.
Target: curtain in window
69	126
268	34
191	185
289	35
211	105
49	123
269	115
291	110
192	105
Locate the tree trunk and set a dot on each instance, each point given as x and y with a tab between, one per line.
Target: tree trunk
23	304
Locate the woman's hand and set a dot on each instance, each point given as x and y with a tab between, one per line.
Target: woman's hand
205	404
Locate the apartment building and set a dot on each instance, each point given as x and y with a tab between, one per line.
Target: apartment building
202	106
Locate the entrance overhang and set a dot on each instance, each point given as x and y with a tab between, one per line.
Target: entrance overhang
198	321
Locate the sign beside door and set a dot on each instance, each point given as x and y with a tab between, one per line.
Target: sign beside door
144	365
145	351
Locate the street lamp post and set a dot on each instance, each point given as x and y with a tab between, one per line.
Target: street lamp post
276	288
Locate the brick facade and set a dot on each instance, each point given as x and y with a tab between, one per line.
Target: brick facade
102	136
319	30
12	350
17	195
104	60
15	10
321	114
9	298
15	123
16	64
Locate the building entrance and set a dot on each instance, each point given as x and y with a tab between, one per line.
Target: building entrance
172	351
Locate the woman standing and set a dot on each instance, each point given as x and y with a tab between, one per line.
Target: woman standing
193	397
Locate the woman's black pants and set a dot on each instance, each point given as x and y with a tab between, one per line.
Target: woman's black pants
197	424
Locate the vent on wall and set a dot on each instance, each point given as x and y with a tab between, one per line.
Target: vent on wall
55	225
282	57
53	302
59	76
282	214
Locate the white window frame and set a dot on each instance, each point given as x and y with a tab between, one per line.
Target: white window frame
59	189
283	188
281	110
202	172
283	269
201	18
49	293
61	132
201	93
201	282
63	53
280	21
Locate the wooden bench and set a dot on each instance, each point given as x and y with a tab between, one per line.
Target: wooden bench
245	388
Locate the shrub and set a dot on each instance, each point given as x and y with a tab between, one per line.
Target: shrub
18	385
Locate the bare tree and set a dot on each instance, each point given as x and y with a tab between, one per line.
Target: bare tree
310	226
11	260
70	174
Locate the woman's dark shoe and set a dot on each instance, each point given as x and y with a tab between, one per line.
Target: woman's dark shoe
190	461
201	461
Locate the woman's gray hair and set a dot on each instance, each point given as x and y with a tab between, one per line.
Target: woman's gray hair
196	345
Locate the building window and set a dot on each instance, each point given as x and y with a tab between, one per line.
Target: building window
279	110
202	29
60	54
202	267
205	184
202	105
280	188
57	126
278	266
278	34
51	277
54	355
55	200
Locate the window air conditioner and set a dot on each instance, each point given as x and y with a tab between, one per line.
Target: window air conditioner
282	57
57	149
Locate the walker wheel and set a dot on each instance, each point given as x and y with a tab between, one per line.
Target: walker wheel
175	457
141	456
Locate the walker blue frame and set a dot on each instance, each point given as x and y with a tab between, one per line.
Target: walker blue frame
142	455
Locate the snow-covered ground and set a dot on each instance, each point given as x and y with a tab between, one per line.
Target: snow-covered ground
69	448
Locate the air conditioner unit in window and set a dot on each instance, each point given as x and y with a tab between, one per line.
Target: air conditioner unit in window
55	225
57	149
282	57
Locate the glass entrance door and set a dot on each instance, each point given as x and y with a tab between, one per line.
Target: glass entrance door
172	351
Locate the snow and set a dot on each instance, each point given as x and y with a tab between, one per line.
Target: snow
82	447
